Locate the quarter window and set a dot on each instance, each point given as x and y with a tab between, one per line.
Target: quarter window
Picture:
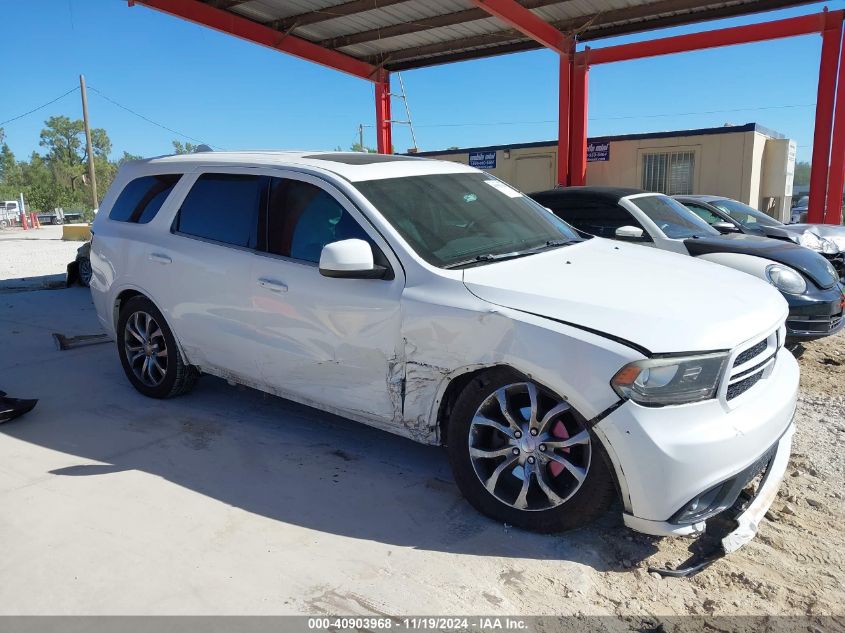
141	198
671	173
224	208
302	218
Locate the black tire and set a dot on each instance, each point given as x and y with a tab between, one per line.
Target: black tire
85	272
589	500
178	378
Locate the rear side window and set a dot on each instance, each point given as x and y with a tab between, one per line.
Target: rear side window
224	208
141	199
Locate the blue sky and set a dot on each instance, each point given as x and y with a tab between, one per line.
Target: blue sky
232	94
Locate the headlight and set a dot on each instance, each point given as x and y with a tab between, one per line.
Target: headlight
656	382
810	240
785	279
839	240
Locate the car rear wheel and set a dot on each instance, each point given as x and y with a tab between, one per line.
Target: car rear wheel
148	351
522	455
85	272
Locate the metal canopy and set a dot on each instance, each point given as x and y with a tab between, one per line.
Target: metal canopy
404	34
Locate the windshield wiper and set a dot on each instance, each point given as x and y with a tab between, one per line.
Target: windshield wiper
497	257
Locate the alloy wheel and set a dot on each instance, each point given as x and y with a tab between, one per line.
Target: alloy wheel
528	447
145	348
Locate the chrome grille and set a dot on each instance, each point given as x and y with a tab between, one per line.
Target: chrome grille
739	388
752	363
751	352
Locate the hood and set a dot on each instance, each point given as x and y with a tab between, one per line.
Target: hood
829	231
660	301
810	263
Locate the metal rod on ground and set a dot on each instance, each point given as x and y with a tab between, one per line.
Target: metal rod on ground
88	145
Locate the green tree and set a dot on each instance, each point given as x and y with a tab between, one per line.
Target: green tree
184	148
127	157
802	173
8	165
67	153
357	147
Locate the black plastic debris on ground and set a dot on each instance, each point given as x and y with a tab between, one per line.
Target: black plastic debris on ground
11	408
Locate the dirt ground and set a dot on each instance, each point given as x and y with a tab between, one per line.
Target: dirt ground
227	501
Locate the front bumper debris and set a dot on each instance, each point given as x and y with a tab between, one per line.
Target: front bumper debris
11	408
737	526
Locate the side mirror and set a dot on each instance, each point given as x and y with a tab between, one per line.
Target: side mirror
349	259
725	227
632	233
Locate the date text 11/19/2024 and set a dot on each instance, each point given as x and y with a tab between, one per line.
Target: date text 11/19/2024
429	623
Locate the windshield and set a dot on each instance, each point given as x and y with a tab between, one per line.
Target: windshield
449	219
673	218
745	215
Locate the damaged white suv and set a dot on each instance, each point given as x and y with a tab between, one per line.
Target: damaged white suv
432	300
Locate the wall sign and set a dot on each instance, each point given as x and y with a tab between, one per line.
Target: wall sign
482	160
598	152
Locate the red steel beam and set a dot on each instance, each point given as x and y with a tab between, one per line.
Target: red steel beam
836	178
526	22
384	131
831	44
578	123
226	22
790	27
564	101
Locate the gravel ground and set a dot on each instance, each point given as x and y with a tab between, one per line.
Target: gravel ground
227	501
34	259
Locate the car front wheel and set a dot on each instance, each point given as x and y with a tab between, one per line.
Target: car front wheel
522	455
148	351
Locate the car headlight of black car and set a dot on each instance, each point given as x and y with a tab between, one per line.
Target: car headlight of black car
786	279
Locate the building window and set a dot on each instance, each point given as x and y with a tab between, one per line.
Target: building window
669	172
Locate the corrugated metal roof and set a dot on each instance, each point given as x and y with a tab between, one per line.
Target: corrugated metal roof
402	34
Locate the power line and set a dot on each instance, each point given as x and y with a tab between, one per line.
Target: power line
618	118
147	119
41	107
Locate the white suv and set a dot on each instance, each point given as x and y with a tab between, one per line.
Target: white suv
434	301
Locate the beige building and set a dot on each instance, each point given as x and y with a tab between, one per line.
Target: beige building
746	162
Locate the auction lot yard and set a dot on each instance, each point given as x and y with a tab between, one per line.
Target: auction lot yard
228	501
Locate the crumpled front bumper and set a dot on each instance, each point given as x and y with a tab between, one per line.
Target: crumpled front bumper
748	520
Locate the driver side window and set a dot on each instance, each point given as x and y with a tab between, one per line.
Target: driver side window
302	218
705	214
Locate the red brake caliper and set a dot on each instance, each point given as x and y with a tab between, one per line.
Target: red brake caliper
559	431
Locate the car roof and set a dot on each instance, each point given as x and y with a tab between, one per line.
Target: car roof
353	166
701	198
607	194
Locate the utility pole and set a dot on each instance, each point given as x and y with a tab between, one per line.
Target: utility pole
88	145
361	136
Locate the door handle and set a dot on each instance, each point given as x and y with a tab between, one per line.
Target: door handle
272	285
160	258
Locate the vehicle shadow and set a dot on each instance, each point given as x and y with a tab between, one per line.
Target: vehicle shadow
289	463
40	282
